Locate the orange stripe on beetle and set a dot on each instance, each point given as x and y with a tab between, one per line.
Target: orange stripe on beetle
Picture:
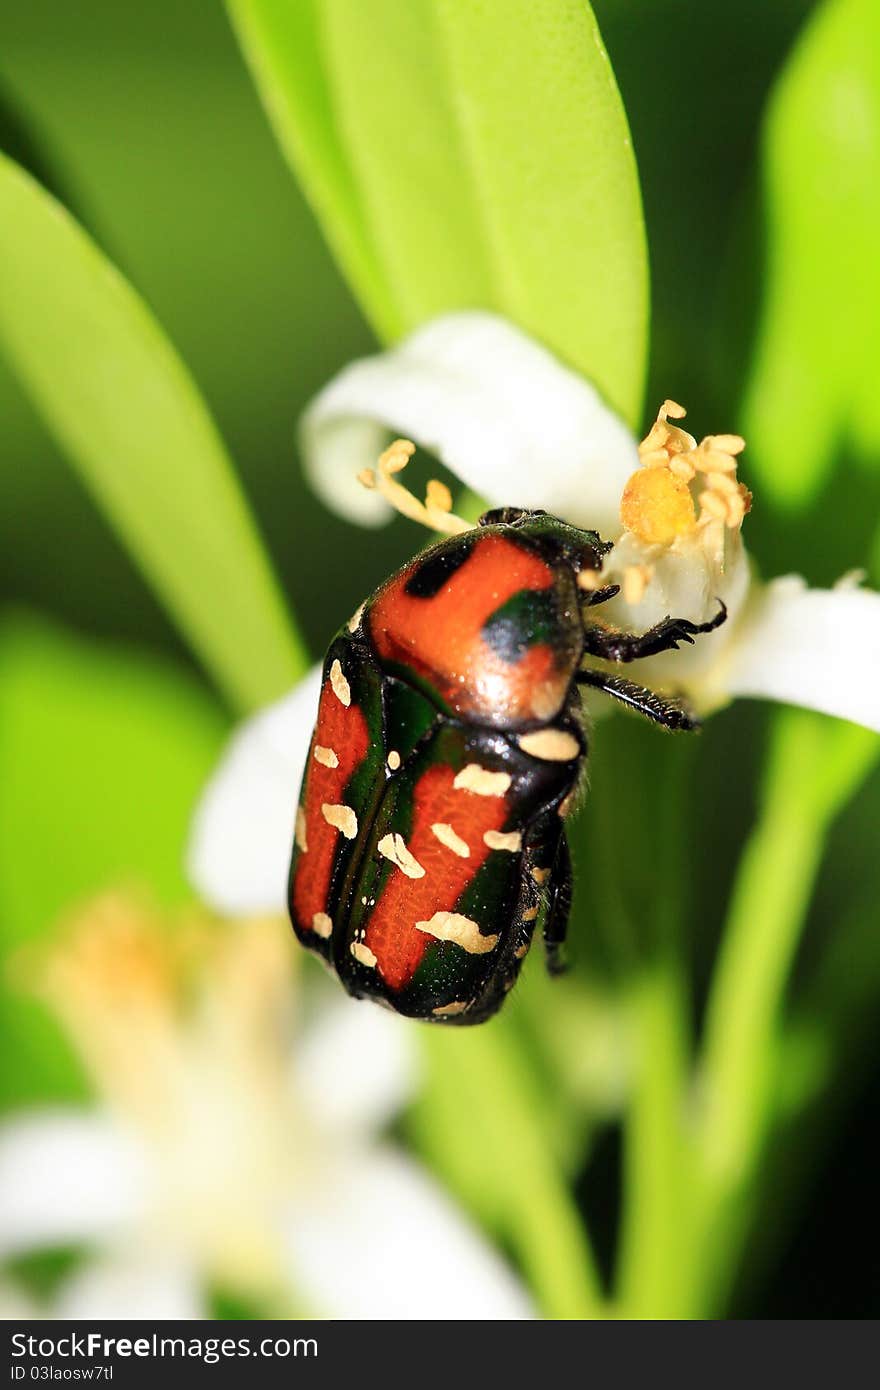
343	728
392	932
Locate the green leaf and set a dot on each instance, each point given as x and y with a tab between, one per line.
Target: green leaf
465	155
103	753
124	408
282	43
813	385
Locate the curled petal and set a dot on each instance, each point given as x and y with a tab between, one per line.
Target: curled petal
493	405
240	844
819	648
66	1177
378	1239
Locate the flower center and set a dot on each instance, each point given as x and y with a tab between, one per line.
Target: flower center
183	1026
677	474
657	506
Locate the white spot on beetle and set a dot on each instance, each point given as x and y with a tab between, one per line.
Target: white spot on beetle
300	829
394	760
447	836
447	1010
362	954
354	621
481	781
322	925
393	847
552	745
452	926
341	687
342	818
510	840
325	756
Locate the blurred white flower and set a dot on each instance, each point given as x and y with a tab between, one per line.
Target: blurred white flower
523	430
227	1152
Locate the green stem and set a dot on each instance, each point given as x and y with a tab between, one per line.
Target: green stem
655	1152
652	1281
813	769
500	1162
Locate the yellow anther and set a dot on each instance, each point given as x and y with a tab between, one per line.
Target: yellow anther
726	443
654	458
396	456
712	505
723	482
680	468
438	495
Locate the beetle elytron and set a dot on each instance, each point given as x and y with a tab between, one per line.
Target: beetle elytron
448	750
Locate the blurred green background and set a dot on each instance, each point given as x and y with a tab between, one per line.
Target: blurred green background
144	121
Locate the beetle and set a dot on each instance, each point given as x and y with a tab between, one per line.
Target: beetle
450	747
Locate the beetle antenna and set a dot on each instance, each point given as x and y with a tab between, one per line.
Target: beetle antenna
435	512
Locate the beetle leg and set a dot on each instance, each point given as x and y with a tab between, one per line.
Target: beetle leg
601	595
556	921
668	713
662	637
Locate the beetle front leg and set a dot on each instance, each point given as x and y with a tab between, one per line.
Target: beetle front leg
558	910
670	714
662	637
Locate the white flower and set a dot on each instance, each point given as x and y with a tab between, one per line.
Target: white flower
224	1156
523	430
491	403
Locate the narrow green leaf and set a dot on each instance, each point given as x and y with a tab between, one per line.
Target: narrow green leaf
481	152
126	411
814	380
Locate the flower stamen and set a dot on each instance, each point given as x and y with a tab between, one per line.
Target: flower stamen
636	579
435	512
660	501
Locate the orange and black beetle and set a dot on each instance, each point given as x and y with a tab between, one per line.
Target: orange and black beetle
448	751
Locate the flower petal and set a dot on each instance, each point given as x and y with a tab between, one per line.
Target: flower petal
239	850
819	648
682	586
356	1066
497	408
66	1177
123	1286
380	1239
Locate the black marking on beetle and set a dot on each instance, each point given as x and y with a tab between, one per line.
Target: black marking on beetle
428	578
527	619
